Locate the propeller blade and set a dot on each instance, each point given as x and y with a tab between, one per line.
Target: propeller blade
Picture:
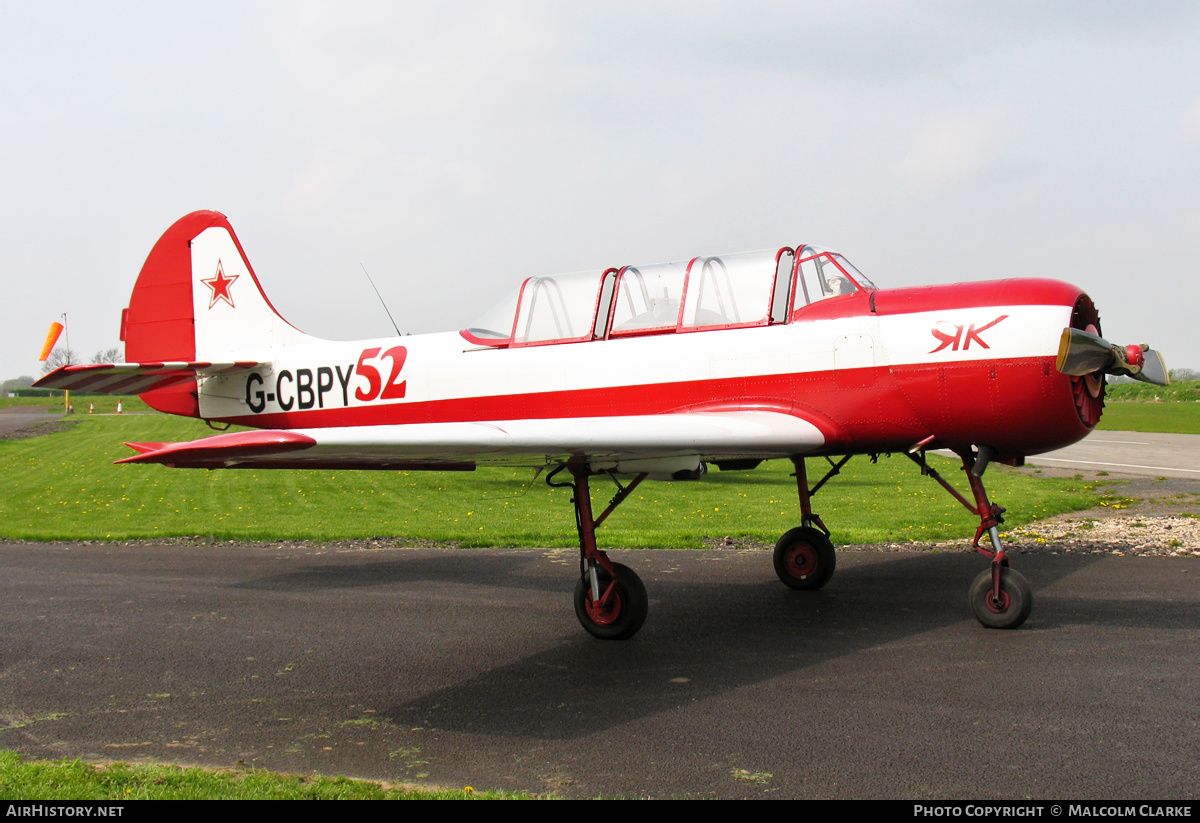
1081	352
1154	370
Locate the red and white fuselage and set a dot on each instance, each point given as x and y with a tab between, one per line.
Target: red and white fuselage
646	370
788	371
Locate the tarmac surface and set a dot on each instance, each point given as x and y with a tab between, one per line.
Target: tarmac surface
23	421
1166	455
466	667
459	667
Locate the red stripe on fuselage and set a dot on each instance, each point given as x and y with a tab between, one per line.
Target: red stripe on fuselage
1018	406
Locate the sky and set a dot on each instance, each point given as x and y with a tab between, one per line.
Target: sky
453	149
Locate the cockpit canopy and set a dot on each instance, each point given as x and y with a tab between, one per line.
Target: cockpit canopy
731	291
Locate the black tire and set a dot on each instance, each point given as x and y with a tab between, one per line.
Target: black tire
627	611
804	558
1016	600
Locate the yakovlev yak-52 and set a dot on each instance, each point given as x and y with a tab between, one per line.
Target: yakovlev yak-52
633	372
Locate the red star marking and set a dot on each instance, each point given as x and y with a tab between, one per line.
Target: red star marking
220	284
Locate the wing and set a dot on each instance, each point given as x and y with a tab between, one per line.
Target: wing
629	443
134	378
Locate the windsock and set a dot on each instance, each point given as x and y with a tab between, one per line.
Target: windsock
51	339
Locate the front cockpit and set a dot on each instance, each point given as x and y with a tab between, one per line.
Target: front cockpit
702	294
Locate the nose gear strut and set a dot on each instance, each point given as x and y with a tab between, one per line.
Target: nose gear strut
1000	597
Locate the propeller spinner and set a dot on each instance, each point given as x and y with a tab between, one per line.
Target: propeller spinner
1082	353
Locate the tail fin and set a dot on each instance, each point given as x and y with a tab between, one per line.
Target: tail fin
197	299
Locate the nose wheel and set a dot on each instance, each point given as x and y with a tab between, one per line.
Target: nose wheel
1006	608
1000	597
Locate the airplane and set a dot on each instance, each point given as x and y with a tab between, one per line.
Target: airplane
633	372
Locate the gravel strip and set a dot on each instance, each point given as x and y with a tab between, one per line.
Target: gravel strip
1141	535
1172	535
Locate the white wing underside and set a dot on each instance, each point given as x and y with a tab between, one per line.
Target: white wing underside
629	443
645	436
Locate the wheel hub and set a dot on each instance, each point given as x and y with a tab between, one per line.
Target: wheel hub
998	605
802	561
604	614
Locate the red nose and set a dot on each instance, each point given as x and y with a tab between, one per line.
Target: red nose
1133	354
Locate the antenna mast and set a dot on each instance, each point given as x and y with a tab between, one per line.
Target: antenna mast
380	296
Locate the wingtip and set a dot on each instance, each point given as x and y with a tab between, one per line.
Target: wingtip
221	450
143	449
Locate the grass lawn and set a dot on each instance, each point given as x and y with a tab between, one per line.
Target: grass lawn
64	487
1182	390
105	404
1146	408
75	780
1141	416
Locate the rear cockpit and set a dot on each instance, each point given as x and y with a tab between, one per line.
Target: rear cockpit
702	294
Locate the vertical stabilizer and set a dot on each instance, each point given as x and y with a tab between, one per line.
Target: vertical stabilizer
197	299
234	320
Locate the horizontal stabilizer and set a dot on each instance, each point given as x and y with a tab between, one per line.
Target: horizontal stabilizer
134	378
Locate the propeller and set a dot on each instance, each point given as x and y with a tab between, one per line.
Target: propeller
1082	353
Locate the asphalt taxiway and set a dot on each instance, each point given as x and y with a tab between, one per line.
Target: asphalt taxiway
1165	455
466	667
22	421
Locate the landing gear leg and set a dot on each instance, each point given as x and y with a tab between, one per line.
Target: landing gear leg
804	556
610	600
1000	597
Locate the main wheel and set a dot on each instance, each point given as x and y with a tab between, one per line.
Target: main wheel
804	558
1013	606
625	612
